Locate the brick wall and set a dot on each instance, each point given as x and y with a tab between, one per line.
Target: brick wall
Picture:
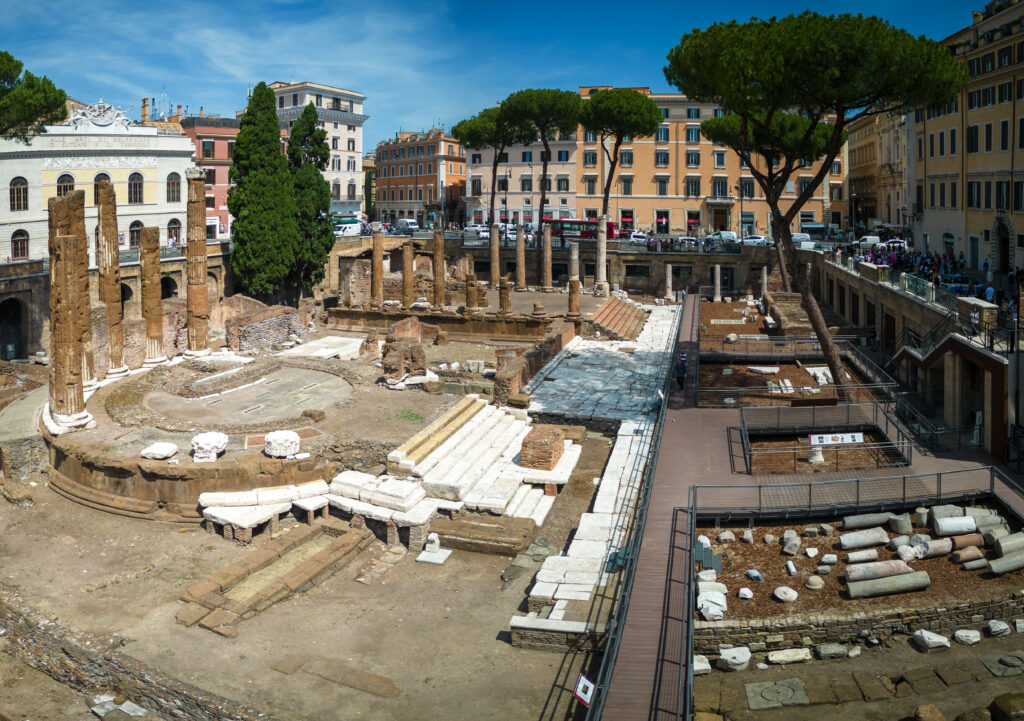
93	664
789	631
259	330
517	366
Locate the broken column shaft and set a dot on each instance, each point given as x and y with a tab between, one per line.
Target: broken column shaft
108	260
198	300
152	306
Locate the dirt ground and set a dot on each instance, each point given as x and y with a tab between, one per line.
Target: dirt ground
751	389
440	633
730	311
29	694
790	453
949	582
16	379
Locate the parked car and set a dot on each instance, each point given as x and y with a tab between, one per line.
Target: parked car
723	236
896	244
407	226
799	238
638	237
479	230
754	240
348	230
868	241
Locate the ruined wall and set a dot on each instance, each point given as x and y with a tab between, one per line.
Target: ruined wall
354	286
261	329
94	664
789	631
516	366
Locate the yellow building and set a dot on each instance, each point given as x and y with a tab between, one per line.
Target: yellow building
968	192
680	183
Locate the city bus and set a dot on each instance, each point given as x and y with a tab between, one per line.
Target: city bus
577	228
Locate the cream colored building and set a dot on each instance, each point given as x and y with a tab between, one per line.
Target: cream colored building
966	181
680	183
145	164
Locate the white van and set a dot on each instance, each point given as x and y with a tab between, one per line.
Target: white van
809	245
348	230
407	226
800	238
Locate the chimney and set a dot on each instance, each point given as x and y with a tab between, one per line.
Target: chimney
145	110
179	113
200	111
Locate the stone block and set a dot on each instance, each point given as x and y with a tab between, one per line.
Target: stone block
281	444
207	446
542	447
159	450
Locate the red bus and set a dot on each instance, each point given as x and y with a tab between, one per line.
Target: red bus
577	228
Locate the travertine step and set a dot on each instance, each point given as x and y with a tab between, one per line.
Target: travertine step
419	445
472	476
444	466
443	451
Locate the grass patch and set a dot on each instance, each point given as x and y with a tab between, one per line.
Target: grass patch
407	414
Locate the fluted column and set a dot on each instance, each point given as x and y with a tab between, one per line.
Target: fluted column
377	272
67	401
520	258
198	298
152	307
495	256
439	271
109	262
547	286
600	269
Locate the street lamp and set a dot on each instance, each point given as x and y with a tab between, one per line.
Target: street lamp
853	211
739	191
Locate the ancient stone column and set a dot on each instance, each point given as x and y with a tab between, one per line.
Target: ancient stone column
408	276
439	277
764	280
668	282
574	298
109	262
505	297
718	283
195	251
377	272
547	285
471	289
495	256
67	401
600	271
67	217
152	307
574	261
520	258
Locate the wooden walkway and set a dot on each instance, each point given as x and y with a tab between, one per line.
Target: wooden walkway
701	446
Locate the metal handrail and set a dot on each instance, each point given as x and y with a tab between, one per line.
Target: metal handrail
631	550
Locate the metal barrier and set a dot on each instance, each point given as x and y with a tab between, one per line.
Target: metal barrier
819	498
932	434
629	553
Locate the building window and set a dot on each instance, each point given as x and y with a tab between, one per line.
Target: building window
693	134
661	158
352	191
526	185
591	184
474	187
280	101
626	158
1004	134
920	147
972	139
988	96
719	158
19	194
334	143
931	195
210	202
931	145
351	144
503	185
135	234
96	187
1002	195
805	183
662	136
662	184
942	195
720	188
987	188
295	99
589	158
973	194
627	186
135	188
589	136
1005	92
692	158
527	156
747	187
835	192
563	156
693	113
974	100
19	245
563	185
952	194
173	188
1018	196
952	141
693	187
942	143
207	148
837	168
988	137
65	184
173	231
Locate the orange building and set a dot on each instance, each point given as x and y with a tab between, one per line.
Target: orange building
421	176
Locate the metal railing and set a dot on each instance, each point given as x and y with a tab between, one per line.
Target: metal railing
749	396
829	498
933	434
629	553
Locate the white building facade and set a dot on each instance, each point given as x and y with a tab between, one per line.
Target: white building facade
145	164
517	199
341	115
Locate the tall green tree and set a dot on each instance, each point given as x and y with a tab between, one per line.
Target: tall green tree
265	232
614	115
790	87
550	114
307	157
492	128
27	102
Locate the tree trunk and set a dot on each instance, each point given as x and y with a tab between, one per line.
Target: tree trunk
777	239
613	160
494	187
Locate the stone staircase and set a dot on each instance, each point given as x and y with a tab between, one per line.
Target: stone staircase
620	319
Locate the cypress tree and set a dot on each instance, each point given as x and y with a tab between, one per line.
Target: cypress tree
307	157
265	233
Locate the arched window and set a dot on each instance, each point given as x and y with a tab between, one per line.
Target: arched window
173	188
336	190
19	194
351	191
135	234
96	187
19	245
173	231
65	184
135	188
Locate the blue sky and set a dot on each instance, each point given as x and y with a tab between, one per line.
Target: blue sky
418	63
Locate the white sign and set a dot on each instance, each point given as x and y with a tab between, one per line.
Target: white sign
584	691
836	439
